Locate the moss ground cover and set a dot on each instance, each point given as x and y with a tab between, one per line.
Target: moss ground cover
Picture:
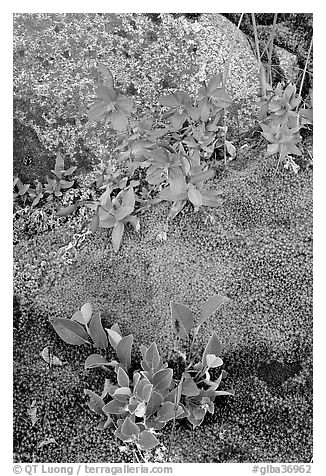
256	249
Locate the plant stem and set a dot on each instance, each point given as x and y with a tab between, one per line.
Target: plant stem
279	160
256	36
224	143
304	73
270	51
176	406
262	73
193	342
238	125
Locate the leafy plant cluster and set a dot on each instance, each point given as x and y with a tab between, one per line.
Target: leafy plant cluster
52	189
139	402
282	121
160	159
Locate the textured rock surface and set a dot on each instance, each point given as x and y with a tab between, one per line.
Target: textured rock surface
55	73
289	64
256	249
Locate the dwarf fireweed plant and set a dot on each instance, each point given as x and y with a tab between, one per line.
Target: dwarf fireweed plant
137	403
162	158
52	189
281	123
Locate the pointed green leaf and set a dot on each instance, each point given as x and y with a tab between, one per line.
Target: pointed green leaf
66	210
107	75
154	403
138	390
162	379
107	221
293	149
145	367
71	170
115	407
199	413
122	394
119	120
204	109
97	110
124	350
125	104
214	83
155	425
147	392
167	412
152	356
210	200
169	101
123	379
103	424
220	393
86	311
94	224
202	176
189	388
118	433
106	94
147	441
140	410
96	402
70	331
172	196
123	212
176	179
182	319
64	184
195	196
214	346
212	361
114	337
198	367
176	208
272	149
177	120
78	316
96	360
116	328
143	350
128	199
97	332
117	234
210	306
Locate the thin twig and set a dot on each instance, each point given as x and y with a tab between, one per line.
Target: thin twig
256	37
176	406
238	125
304	73
262	72
224	147
171	438
270	51
280	157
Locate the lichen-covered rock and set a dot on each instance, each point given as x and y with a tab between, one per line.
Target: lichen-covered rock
55	73
288	62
